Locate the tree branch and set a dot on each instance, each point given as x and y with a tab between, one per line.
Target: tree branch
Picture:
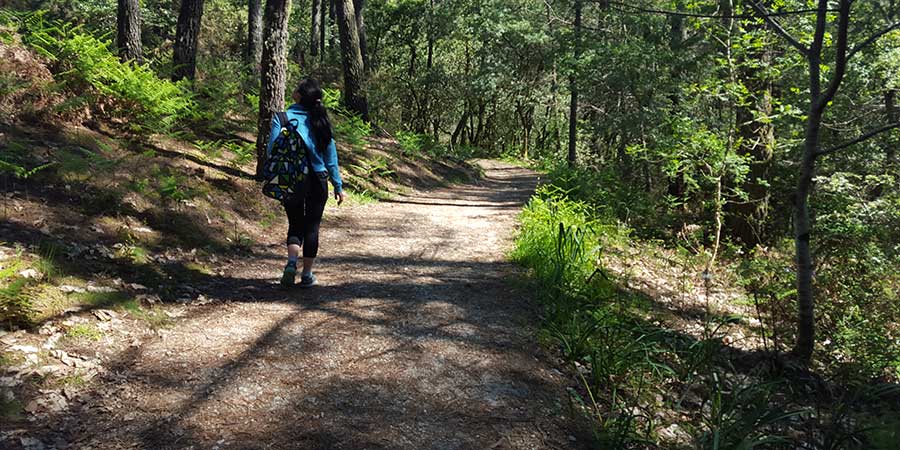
766	16
620	6
841	55
859	139
871	40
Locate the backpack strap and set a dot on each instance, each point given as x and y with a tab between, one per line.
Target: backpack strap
283	119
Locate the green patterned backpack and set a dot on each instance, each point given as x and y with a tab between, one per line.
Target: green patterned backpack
285	161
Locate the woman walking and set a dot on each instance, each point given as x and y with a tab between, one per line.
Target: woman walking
304	208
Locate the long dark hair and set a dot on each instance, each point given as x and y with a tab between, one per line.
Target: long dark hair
310	94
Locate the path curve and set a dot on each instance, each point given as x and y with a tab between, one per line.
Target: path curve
415	339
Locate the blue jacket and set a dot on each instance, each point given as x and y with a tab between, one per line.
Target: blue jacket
326	161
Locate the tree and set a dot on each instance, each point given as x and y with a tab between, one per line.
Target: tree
351	58
819	100
254	34
128	26
747	219
316	28
273	73
573	87
187	36
358	7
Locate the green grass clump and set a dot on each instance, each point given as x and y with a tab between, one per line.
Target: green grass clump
10	359
16	306
84	331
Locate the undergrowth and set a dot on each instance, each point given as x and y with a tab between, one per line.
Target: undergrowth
85	65
641	385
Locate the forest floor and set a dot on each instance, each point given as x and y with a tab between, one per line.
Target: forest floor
414	339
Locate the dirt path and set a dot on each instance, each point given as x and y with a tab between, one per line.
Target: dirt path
414	339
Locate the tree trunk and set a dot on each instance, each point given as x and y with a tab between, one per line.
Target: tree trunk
358	7
819	101
323	20
354	89
254	34
273	65
187	35
128	26
747	221
573	87
314	28
893	115
802	229
332	42
459	131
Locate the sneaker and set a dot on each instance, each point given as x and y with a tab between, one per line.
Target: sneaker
307	280
289	276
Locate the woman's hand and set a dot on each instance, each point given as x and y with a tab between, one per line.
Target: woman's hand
339	196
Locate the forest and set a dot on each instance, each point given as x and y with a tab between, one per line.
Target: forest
714	243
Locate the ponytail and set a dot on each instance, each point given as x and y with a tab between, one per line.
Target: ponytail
311	99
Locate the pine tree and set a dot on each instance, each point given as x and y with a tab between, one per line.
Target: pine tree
273	72
128	26
351	57
187	36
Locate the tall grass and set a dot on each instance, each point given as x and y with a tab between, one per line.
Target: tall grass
630	371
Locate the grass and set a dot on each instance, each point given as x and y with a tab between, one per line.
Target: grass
364	197
199	268
122	301
885	430
110	300
11	409
73	380
11	359
84	331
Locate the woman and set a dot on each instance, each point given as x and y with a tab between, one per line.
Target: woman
305	207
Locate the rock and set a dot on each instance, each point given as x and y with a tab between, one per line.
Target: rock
30	274
99	289
10	381
67	289
30	443
24	348
104	314
32	407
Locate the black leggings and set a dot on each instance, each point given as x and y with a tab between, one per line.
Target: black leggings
304	211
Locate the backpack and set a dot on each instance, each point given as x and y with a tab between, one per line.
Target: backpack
285	162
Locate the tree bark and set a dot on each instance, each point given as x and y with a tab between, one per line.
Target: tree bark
819	101
187	36
315	28
273	73
358	7
573	87
332	5
128	27
254	34
747	220
351	58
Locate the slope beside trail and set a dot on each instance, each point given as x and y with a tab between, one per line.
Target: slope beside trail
414	339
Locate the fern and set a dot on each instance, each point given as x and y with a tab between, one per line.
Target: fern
84	63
